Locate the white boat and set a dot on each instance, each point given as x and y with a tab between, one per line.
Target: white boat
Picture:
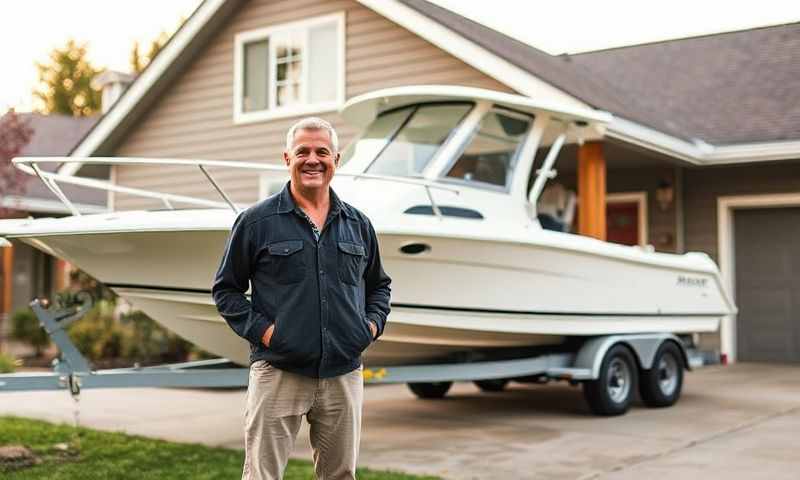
443	172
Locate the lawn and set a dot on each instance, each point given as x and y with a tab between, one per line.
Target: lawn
66	453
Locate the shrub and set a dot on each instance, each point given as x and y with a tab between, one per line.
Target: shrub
133	337
25	327
148	341
97	335
7	363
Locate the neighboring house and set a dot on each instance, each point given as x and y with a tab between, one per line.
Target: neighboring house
27	272
703	153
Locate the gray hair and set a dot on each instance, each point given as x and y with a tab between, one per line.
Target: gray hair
312	123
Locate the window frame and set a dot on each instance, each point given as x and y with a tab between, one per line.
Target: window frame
414	109
272	112
442	175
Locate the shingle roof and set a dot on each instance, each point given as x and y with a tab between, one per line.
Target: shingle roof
55	136
723	89
726	88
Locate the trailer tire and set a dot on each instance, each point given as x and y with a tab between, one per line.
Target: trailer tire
430	390
492	384
613	391
661	385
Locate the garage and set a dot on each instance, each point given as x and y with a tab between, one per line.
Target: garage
767	259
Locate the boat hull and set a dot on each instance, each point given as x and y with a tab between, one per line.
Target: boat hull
461	294
413	335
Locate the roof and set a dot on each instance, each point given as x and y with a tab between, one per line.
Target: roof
55	136
549	68
690	88
735	91
725	88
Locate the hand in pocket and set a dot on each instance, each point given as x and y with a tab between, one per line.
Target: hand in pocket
267	338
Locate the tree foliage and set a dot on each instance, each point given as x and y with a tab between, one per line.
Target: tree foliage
65	82
15	133
140	59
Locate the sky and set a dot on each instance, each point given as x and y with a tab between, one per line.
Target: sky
29	29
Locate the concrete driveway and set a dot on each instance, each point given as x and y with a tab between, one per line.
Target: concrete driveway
736	422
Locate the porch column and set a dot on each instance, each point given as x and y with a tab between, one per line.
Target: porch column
61	272
592	190
7	266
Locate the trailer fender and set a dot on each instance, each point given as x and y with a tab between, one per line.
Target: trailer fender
644	347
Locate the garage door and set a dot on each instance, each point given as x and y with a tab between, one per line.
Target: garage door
767	245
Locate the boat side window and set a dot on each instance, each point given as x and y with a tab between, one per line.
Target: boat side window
413	145
377	135
491	153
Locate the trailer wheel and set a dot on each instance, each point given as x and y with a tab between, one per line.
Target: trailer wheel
430	389
492	384
661	385
613	391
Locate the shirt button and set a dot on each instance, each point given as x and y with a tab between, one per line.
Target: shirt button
322	272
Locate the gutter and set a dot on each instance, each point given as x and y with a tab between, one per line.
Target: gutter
698	152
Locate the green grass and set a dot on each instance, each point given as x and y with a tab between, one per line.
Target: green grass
93	454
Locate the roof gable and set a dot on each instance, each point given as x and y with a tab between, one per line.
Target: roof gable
666	119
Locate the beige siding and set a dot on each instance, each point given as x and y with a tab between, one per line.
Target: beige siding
194	119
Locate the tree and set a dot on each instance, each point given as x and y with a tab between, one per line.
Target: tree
15	133
65	83
140	60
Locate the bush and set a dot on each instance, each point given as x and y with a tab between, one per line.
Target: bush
97	335
134	337
7	363
107	333
25	327
148	341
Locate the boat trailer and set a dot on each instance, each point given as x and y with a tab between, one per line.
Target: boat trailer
607	364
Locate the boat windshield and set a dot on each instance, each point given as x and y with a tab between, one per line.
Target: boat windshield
402	142
491	153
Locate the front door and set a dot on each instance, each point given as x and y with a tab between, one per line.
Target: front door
622	223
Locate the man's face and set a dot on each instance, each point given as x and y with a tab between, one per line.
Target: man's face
311	160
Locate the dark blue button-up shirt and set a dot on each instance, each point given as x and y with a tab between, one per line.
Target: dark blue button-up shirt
320	294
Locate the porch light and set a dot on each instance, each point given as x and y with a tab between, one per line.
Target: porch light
664	195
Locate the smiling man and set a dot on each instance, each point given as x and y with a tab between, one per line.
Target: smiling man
319	298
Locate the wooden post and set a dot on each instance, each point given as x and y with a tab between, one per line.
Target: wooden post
61	272
8	266
592	190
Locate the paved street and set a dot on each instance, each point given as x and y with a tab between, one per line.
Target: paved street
736	422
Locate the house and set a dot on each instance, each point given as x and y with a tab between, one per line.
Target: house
703	152
26	271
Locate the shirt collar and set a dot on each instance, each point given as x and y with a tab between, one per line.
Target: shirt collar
286	203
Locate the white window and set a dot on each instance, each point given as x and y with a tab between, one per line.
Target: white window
290	69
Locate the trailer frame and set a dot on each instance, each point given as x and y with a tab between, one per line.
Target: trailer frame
584	363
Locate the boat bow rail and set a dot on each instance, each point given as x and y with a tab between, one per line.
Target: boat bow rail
31	166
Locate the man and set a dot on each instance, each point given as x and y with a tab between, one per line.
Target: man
319	298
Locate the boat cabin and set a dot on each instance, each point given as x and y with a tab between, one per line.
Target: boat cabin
472	139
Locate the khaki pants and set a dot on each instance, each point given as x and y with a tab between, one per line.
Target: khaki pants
276	403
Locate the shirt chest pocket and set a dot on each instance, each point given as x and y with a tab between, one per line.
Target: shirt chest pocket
350	260
286	261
